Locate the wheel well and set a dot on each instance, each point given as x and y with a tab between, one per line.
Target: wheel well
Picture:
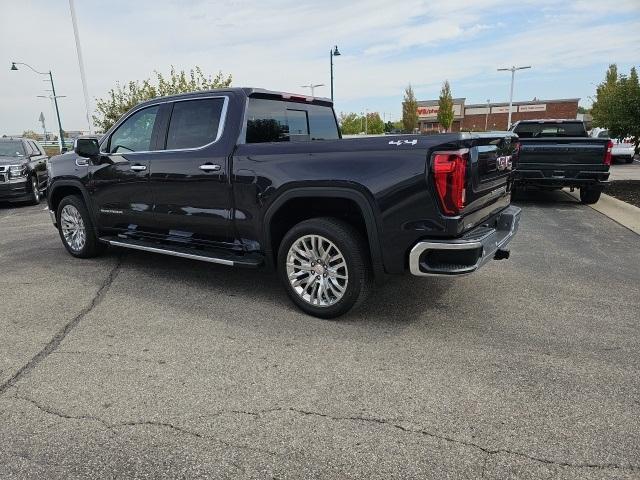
59	193
298	209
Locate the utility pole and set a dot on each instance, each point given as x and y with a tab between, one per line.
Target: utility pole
513	75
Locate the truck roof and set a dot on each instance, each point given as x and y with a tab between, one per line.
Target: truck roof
248	92
551	120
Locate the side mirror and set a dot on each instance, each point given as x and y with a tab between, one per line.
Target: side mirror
86	147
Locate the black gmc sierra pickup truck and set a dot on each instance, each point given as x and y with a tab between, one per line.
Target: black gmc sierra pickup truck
248	177
559	153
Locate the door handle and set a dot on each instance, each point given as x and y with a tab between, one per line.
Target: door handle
138	168
209	167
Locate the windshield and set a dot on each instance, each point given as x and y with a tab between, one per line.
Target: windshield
549	129
11	149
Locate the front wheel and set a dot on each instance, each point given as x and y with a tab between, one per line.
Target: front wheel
324	266
76	228
589	196
35	191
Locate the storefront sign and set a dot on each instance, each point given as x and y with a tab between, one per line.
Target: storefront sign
477	111
432	111
541	107
504	109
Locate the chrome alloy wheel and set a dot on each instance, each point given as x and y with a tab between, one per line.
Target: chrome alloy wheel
317	270
34	190
73	228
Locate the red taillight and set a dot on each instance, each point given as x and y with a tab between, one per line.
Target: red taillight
607	153
449	173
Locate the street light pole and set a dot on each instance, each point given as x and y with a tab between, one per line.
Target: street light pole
55	99
332	53
486	117
513	75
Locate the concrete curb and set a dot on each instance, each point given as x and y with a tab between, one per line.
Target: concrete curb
621	212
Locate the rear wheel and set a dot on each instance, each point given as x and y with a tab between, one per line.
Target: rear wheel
76	228
589	196
323	264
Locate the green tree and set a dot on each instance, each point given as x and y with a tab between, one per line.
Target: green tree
30	134
445	107
409	111
375	124
350	123
389	126
617	105
124	97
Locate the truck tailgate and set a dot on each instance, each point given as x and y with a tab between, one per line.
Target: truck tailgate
562	152
489	159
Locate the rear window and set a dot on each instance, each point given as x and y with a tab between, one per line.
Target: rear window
278	121
541	130
194	123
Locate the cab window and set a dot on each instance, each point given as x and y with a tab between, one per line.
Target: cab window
135	134
279	121
194	123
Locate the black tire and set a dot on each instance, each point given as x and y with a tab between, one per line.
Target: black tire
589	196
91	247
36	196
629	160
350	245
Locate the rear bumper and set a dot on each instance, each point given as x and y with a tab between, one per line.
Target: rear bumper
559	176
464	255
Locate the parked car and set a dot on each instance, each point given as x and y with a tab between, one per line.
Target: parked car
622	151
23	170
559	153
253	178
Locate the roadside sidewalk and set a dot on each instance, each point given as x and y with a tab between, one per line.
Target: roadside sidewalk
621	212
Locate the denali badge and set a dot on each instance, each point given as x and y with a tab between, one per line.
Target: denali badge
504	163
406	142
108	210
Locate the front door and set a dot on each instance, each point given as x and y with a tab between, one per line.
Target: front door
190	179
119	178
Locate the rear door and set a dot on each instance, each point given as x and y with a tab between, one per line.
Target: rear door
189	178
119	179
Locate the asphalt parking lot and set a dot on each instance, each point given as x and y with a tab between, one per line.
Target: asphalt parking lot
136	365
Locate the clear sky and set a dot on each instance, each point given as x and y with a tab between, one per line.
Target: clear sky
285	43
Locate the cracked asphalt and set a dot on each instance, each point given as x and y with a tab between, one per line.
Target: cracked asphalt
136	365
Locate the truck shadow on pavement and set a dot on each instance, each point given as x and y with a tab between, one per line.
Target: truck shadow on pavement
399	301
545	199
